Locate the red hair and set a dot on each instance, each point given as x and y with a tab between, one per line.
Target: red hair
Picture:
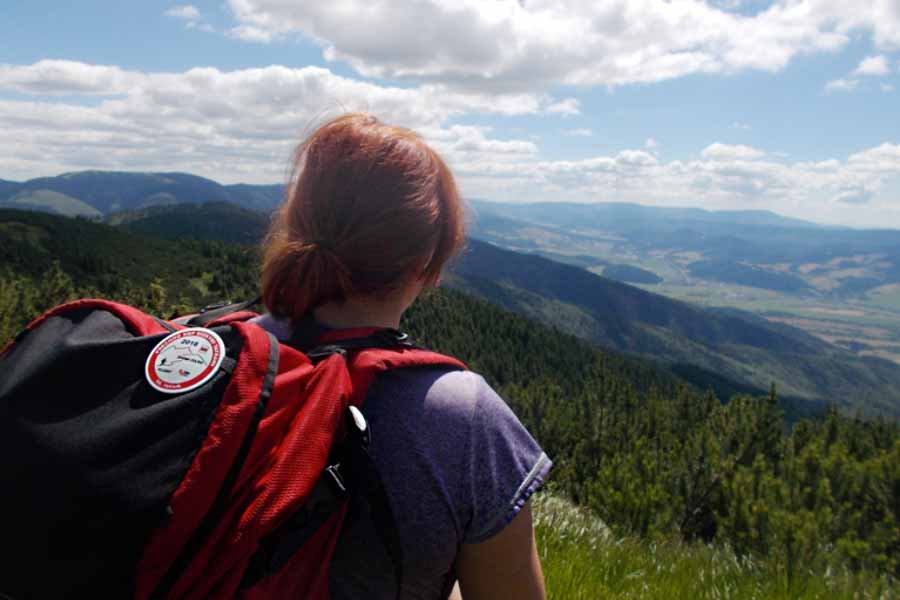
369	208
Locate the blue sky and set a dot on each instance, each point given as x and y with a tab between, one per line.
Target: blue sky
789	105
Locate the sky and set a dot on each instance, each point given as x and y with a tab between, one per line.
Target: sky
784	105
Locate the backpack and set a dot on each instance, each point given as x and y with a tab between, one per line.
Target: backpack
193	459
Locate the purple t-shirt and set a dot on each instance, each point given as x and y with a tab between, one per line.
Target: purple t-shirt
457	466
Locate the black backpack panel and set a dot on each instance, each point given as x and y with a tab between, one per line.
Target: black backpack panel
90	454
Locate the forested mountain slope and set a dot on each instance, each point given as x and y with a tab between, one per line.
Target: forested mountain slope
624	216
655	457
731	344
43	255
730	351
211	221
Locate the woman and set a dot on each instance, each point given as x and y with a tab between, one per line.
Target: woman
372	215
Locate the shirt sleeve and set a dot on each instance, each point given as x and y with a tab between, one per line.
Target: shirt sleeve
504	466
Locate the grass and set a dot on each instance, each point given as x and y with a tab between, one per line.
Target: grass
583	560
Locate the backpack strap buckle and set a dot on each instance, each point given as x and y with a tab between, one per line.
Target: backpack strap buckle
337	480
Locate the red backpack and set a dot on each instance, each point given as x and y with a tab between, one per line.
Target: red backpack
148	459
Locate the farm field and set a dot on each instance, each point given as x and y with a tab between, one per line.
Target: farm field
868	326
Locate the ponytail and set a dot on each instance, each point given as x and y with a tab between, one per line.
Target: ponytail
298	276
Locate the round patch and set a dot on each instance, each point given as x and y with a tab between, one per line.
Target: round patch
184	360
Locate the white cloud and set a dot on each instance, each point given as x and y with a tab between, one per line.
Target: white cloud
191	17
860	190
66	77
718	151
535	45
578	132
873	65
225	124
248	33
469	148
566	107
841	85
883	159
651	144
241	125
187	12
854	194
633	158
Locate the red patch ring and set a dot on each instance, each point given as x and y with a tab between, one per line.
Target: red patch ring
180	350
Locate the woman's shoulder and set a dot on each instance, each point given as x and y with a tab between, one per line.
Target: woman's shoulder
454	395
470	436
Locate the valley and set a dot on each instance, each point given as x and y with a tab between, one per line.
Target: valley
869	326
840	285
733	301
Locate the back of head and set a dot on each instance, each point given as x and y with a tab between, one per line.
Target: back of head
369	208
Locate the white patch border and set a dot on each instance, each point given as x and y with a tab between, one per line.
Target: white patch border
213	368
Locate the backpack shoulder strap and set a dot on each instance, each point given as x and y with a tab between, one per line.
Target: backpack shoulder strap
365	365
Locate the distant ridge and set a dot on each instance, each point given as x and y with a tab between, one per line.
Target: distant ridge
100	193
632	215
8	187
116	191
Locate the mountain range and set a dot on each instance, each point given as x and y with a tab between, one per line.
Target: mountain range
628	242
730	351
529	267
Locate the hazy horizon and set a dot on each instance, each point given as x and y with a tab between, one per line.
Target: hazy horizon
810	221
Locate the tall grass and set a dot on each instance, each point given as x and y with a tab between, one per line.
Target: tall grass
583	560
